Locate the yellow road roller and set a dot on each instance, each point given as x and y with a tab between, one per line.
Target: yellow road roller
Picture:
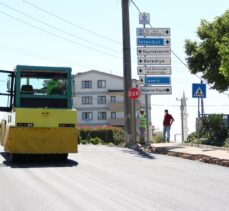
38	117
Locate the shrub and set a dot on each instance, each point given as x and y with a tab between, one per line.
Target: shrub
192	138
83	142
204	141
159	137
105	135
227	143
88	138
118	136
95	141
214	129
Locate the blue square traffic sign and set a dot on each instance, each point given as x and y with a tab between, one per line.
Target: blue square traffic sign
199	90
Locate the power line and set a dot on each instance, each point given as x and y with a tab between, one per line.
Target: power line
46	56
58	29
70	34
59	36
183	63
60	60
136	6
33	5
71	23
159	105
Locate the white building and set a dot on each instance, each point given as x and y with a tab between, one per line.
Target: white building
99	99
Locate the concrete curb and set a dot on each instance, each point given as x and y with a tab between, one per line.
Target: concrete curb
204	146
198	157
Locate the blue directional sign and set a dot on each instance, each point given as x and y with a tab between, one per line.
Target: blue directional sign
199	90
153	80
153	41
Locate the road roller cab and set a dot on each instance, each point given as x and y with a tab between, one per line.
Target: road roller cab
38	114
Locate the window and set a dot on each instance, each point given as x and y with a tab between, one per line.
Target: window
101	84
101	99
87	100
43	83
113	99
86	84
36	86
87	116
113	115
102	115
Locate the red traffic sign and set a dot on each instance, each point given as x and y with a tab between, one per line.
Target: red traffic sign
133	93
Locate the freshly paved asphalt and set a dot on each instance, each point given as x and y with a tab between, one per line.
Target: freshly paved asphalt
110	178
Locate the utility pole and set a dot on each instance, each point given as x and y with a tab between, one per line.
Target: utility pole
129	115
182	118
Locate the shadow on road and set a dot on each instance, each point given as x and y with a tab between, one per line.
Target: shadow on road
139	152
35	162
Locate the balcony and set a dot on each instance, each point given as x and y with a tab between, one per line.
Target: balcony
119	106
116	122
116	106
116	92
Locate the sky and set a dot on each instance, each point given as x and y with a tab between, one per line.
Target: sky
87	35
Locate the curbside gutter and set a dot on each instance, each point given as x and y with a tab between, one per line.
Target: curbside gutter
166	150
205	146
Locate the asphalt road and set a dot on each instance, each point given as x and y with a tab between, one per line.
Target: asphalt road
110	178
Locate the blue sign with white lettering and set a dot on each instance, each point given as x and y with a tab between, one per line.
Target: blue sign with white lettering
150	41
199	90
157	80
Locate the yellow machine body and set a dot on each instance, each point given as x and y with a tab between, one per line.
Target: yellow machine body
40	131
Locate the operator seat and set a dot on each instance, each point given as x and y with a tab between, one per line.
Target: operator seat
27	89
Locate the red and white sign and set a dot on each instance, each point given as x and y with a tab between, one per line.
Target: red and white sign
133	93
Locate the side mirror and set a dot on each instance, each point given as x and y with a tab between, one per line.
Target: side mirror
9	84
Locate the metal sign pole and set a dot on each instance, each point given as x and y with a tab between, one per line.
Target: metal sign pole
146	106
133	121
147	118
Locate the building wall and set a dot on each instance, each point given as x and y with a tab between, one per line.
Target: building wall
112	83
115	83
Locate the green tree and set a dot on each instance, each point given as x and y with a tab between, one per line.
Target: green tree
214	129
210	56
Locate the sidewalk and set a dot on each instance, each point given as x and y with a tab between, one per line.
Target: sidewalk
207	154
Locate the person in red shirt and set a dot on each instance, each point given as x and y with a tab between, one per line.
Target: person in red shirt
168	121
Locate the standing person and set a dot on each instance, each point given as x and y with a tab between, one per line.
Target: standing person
168	121
142	126
54	86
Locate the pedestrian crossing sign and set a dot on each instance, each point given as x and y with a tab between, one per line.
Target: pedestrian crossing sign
199	90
